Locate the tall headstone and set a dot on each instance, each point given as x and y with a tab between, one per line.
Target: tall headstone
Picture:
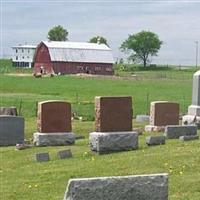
194	109
163	113
54	116
54	124
139	187
11	130
113	125
113	114
193	116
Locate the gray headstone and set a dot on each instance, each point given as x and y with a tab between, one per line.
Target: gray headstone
155	140
142	187
42	157
8	111
11	130
142	118
188	137
175	131
64	154
104	142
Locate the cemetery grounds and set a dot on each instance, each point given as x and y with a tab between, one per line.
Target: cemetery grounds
21	177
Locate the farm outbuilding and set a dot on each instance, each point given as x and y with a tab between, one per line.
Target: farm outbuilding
72	58
22	55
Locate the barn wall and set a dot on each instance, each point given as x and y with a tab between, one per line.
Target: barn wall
76	67
42	58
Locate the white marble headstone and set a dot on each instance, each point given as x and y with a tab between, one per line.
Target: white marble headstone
194	109
193	116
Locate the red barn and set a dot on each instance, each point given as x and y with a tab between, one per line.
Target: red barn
73	57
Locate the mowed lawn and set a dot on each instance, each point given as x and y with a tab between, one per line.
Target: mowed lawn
23	178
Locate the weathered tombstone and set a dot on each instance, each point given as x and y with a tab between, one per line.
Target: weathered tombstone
8	111
188	137
42	157
193	116
11	130
64	154
113	122
163	113
175	131
155	140
139	187
54	124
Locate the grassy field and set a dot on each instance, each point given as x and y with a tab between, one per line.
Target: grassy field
25	92
23	178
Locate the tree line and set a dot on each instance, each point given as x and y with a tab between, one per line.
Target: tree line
139	46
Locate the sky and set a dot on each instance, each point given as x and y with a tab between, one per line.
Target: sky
176	22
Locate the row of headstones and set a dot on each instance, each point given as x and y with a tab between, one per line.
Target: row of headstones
112	114
154	187
113	124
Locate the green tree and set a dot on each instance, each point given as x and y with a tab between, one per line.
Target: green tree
98	39
57	33
142	46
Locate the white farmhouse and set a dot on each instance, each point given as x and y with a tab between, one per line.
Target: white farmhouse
23	55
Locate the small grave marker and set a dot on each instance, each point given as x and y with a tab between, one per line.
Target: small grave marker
42	157
64	154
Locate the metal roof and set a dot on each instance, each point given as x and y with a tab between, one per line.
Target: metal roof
79	52
25	46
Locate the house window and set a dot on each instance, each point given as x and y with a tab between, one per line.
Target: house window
22	57
79	67
28	50
16	57
108	69
22	50
97	68
16	50
28	57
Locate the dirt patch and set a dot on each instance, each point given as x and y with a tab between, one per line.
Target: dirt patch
20	74
133	77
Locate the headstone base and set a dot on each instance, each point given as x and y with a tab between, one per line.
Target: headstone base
53	139
104	142
151	128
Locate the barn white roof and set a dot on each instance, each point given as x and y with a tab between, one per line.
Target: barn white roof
79	52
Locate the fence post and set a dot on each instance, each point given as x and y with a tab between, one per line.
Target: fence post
20	107
147	104
36	106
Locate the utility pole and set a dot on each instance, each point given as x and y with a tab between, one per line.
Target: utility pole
197	49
